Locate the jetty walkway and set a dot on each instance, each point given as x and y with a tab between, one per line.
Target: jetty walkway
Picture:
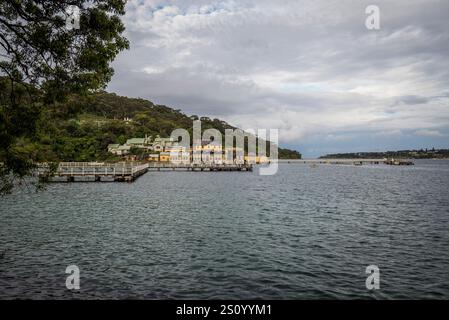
199	167
94	171
123	171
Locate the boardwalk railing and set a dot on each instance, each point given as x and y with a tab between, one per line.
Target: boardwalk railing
96	171
122	171
200	166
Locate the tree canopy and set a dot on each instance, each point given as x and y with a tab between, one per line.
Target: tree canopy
52	74
43	61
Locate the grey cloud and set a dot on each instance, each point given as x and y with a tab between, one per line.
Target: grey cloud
309	67
413	99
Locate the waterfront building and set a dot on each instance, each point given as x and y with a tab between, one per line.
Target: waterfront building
180	157
154	157
207	145
164	157
113	147
175	147
143	143
118	149
233	156
253	159
161	144
167	150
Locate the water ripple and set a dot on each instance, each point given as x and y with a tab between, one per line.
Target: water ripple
303	233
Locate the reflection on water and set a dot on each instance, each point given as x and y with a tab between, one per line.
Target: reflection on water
303	233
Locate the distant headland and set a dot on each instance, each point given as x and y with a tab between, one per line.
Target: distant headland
404	154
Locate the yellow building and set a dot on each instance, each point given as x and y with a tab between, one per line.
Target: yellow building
164	157
255	159
153	157
233	155
208	147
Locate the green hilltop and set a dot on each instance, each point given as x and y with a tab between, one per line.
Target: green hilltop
81	128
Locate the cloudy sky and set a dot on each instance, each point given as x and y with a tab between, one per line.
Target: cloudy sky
309	68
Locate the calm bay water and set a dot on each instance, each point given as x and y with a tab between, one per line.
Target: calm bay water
303	233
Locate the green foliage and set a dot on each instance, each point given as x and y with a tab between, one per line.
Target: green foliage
288	154
41	50
51	106
404	154
44	63
97	120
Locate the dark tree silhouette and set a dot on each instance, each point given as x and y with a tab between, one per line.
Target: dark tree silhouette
44	59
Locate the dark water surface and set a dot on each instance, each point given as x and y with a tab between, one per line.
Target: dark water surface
303	233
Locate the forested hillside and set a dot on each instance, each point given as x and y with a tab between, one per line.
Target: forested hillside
81	128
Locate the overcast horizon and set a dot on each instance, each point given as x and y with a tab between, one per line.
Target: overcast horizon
309	68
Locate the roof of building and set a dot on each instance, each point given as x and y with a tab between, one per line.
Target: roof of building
135	141
175	147
159	139
113	146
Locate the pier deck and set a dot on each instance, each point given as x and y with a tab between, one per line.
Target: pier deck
93	171
199	167
124	172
